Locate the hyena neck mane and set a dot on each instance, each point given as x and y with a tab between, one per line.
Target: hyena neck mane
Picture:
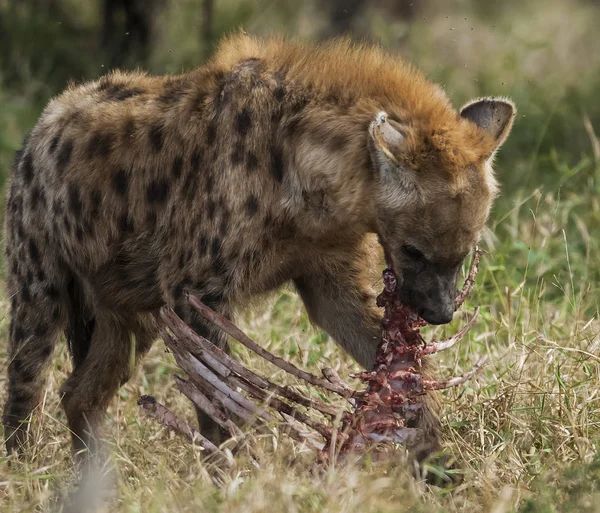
331	95
344	74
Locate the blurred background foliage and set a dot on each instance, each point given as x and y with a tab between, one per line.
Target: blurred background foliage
544	54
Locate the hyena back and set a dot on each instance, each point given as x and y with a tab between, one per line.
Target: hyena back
275	162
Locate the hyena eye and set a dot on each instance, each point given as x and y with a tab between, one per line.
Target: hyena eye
413	253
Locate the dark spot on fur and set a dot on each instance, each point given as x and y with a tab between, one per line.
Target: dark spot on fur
120	182
20	230
28	170
16	205
100	145
96	200
41	198
177	167
243	121
75	205
25	295
40	330
54	144
285	230
64	155
34	252
36	197
177	291
128	129
195	160
79	233
173	92
125	224
120	92
279	92
41	275
279	228
190	185
277	164
158	191
155	134
224	227
215	247
251	205
212	207
315	200
237	156
210	183
67	224
19	334
211	134
251	161
212	299
181	263
338	142
203	245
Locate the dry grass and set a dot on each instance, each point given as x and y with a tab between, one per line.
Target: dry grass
534	411
527	431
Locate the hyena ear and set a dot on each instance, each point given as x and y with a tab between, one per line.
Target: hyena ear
493	115
387	142
387	138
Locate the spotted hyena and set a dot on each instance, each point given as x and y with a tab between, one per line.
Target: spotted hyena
276	162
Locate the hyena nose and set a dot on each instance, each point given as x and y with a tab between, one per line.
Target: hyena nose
438	316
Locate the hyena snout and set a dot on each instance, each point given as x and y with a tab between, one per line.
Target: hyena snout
440	314
433	299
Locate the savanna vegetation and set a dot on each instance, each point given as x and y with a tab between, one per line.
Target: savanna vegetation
527	430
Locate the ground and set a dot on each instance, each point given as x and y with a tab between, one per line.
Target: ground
527	429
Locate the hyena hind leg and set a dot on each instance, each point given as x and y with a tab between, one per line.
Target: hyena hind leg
37	318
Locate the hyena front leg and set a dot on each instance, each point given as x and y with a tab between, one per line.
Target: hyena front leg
346	310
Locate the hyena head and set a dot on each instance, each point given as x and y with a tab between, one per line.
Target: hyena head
434	192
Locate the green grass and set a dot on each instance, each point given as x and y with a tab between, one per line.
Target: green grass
527	430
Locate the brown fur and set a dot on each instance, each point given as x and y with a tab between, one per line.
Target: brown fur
228	181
